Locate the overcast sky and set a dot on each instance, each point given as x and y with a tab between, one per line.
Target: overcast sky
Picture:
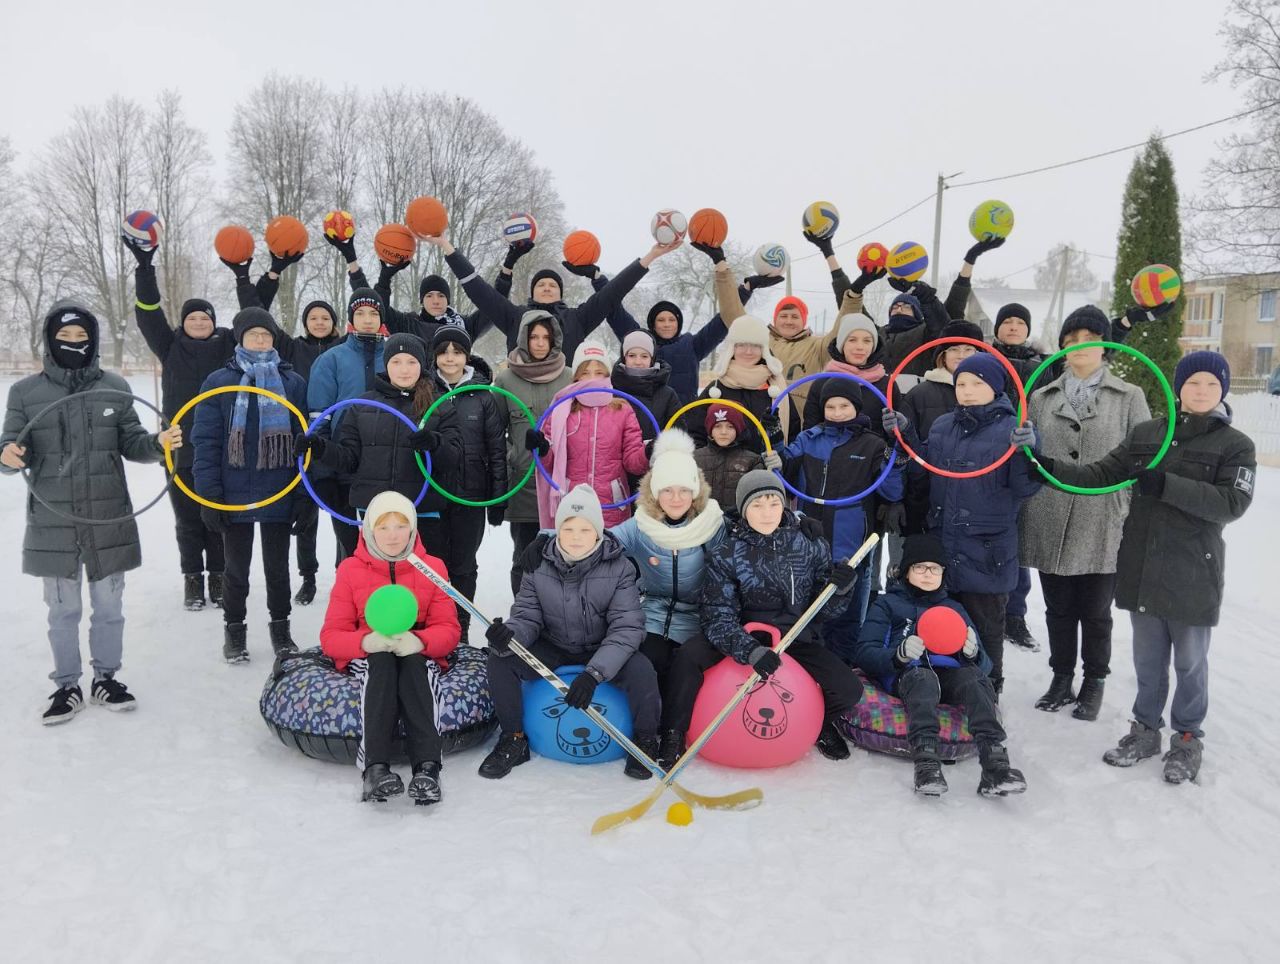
754	108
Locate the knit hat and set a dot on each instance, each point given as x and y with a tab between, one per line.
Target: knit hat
247	318
433	282
662	306
841	388
756	483
363	297
197	304
642	340
404	343
921	548
545	273
723	413
956	329
581	503
333	315
589	351
912	302
672	464
380	505
1088	318
1202	361
450	334
856	321
1013	312
748	330
985	366
791	301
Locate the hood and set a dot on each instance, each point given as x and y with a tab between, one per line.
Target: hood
380	505
68	312
539	313
644	384
477	372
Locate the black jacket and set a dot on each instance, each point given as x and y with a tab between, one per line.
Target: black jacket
900	337
653	390
923	405
482	473
871	406
301	353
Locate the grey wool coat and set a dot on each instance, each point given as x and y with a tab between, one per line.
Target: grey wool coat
1073	535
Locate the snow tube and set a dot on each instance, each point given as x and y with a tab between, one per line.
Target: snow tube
879	723
312	707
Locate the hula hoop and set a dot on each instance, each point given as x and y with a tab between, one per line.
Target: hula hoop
79	520
372	403
219	506
542	420
848	499
477	503
1168	435
768	446
1013	375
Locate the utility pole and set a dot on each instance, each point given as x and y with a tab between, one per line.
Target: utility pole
937	227
1059	298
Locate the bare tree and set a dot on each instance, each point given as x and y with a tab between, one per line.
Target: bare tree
1079	276
177	163
686	277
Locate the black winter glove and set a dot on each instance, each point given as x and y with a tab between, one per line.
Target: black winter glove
764	661
587	271
515	251
496	514
345	248
581	690
1137	314
757	281
535	441
811	527
499	635
1045	462
140	254
214	520
822	244
843	576
892	516
981	248
241	271
865	278
303	515
390	270
716	254
303	443
1150	482
280	262
919	289
531	558
425	439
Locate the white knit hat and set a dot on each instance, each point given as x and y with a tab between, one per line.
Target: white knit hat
856	321
589	351
748	330
581	503
380	505
672	464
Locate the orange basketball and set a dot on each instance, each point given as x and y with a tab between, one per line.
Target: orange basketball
708	226
285	235
426	217
582	247
234	243
394	243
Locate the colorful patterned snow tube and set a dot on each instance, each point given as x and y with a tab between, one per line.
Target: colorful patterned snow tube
312	707
879	723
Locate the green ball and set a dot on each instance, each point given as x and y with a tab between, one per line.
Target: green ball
391	610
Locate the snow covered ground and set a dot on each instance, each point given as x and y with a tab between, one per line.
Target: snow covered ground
187	832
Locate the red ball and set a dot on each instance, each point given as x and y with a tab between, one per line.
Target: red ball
942	629
872	256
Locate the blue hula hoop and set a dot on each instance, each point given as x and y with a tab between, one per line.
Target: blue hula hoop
323	417
848	499
542	420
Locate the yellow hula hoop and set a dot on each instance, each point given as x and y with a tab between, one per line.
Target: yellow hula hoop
768	446
223	390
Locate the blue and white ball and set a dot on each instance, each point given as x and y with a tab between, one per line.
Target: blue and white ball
771	259
519	227
143	229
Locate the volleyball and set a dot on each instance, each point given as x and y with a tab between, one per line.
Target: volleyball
908	261
820	219
519	227
991	219
1155	285
143	229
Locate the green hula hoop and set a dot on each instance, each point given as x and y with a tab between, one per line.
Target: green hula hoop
483	503
1168	395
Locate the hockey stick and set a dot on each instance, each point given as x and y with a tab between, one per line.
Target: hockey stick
611	820
732	801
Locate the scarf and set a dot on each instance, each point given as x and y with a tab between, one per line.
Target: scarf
873	373
557	432
275	442
752	377
536	372
698	531
800	336
1081	392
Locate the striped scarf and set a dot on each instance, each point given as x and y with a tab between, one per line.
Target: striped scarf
275	443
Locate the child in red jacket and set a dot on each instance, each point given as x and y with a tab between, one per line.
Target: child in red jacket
399	671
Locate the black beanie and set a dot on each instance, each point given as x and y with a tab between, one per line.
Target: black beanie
197	304
405	344
921	548
545	273
957	329
364	296
333	315
433	282
247	318
1013	310
842	388
447	334
659	308
1088	318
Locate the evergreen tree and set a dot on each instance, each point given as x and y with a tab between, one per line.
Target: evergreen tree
1150	233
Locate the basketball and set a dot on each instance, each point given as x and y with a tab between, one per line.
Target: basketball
942	629
426	217
820	219
770	259
519	227
142	228
991	219
708	226
394	243
582	248
872	256
285	235
908	261
340	225
234	243
1155	285
668	227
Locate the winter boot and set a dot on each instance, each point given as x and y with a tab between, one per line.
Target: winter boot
511	751
424	788
307	591
110	692
1017	634
193	591
830	743
1141	742
997	686
235	648
672	748
381	783
281	641
1058	694
929	780
648	745
1182	762
1089	702
64	704
215	589
998	778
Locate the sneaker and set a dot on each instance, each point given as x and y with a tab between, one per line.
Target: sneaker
64	703
830	743
1182	762
235	648
281	641
215	589
648	745
1089	702
193	591
671	748
998	778
1140	743
307	591
110	692
1017	634
424	788
1058	694
511	751
381	783
929	781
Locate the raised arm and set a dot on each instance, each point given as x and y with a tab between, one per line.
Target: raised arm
147	309
504	315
